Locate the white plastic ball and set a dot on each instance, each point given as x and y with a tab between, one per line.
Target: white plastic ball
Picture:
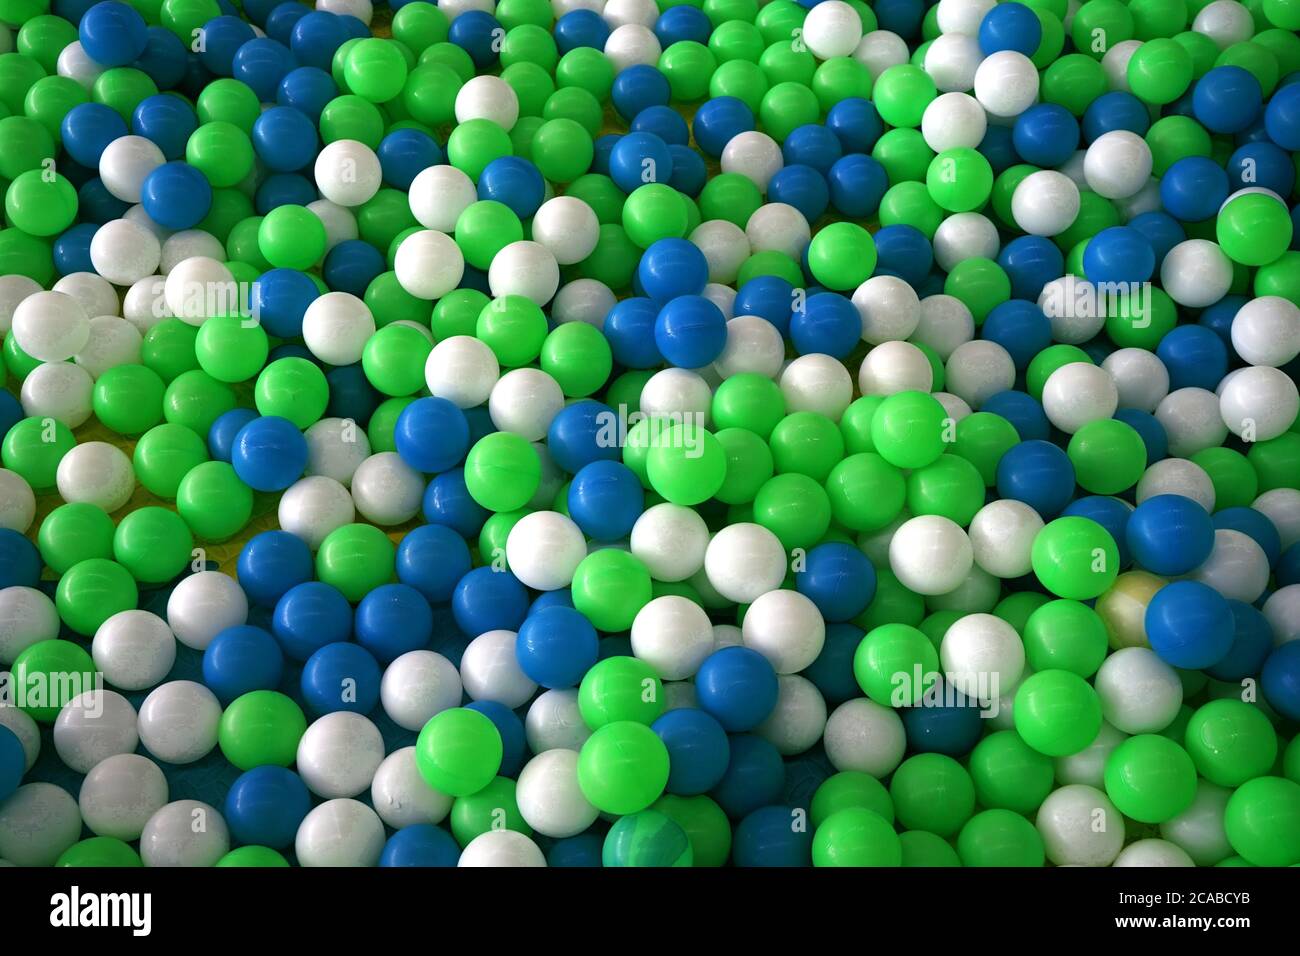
37	823
339	222
58	390
979	369
418	685
120	794
631	44
438	196
889	309
1002	537
725	246
314	506
982	656
945	324
1141	379
96	473
930	554
125	163
1191	420
798	720
463	370
543	550
178	722
347	172
93	293
817	383
1079	393
951	60
1114	63
488	97
524	401
1199	829
134	649
1266	331
50	326
865	736
1045	203
895	367
966	235
338	754
1225	22
14	289
1176	476
525	268
754	155
1139	693
673	635
113	341
336	447
1080	827
879	50
567	227
778	227
753	345
93	726
1282	507
555	722
745	561
203	605
17	502
76	64
336	327
670	540
675	393
401	796
549	798
428	265
1006	84
583	300
786	628
501	848
27	617
386	490
1196	273
619	12
832	28
184	833
1117	164
962	16
490	670
1282	611
1258	403
1072	309
144	304
340	832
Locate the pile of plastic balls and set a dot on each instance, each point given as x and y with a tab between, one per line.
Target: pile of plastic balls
650	433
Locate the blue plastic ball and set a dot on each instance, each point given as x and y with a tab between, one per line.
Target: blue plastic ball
242	659
953	726
167	122
309	616
351	266
280	298
176	196
308	89
1194	356
486	599
514	182
837	578
1045	134
689	170
857	184
1038	473
1020	327
1189	624
640	158
263	63
737	686
269	453
1280	679
664	122
395	619
341	677
431	435
478	34
1010	26
579	28
1117	109
285	139
1030	262
755	776
605	499
87	129
1162	230
1119	254
718	120
282	20
1153	434
855	123
1111	513
514	744
1170	535
639	87
270	564
556	646
698	750
829	324
690	331
316	37
13	762
447	502
672	267
1227	99
422	845
1023	411
812	145
769	297
20	562
1282	117
1252	640
1193	188
768	837
802	187
901	250
112	34
265	806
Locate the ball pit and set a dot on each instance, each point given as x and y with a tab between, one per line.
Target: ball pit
609	433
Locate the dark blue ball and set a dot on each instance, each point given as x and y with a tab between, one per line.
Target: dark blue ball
87	129
1280	679
351	394
828	324
20	562
856	123
309	616
308	89
285	139
280	298
1259	164
1117	109
837	578
269	453
1253	523
812	145
640	158
605	499
486	599
316	37
1045	134
639	87
1227	99
1170	535
422	845
1194	356
112	33
583	432
514	182
802	187
71	250
1010	26
672	267
221	435
1038	473
395	619
1193	188
579	28
1031	262
698	750
176	196
690	331
629	327
681	23
1252	640
770	298
1119	254
283	189
857	184
1153	434
242	659
263	63
431	435
166	121
1020	327
556	646
1111	513
737	686
1189	624
902	251
951	727
271	563
754	778
341	677
718	120
476	32
282	20
832	671
1023	411
265	806
514	745
447	501
689	170
222	37
351	266
768	837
